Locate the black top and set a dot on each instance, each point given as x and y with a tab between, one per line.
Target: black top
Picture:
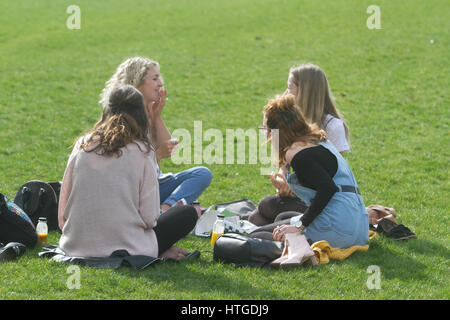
315	168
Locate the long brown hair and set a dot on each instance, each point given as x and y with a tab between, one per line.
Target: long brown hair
124	121
282	113
314	95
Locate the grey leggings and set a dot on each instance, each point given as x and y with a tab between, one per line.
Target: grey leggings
265	232
271	207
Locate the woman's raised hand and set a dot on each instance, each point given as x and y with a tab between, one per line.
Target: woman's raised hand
280	183
154	109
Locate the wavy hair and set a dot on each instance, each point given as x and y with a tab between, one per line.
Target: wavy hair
314	96
282	113
130	72
125	121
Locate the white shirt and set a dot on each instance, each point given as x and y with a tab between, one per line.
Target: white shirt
334	127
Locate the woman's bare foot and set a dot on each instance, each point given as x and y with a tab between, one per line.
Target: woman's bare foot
174	253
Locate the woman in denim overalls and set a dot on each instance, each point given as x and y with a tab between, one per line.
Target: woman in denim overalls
343	221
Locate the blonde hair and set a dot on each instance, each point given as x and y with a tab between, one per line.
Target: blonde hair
130	72
314	97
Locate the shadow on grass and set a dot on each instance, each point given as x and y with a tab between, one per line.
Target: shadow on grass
205	278
401	259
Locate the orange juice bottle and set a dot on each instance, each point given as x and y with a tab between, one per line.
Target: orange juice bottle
42	230
218	229
214	237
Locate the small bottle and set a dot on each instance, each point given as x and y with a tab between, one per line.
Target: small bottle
42	230
218	229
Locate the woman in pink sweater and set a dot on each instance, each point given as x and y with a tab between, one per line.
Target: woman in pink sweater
110	194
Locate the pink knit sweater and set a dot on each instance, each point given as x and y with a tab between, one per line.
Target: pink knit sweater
109	203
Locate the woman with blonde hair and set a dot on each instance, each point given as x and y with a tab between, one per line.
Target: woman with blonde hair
321	178
144	74
309	84
109	197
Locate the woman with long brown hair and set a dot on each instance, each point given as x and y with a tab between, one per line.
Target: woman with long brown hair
321	178
310	88
109	198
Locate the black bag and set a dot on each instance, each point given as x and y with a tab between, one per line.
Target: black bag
245	251
13	228
242	208
40	199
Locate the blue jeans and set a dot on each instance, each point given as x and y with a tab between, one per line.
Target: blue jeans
188	184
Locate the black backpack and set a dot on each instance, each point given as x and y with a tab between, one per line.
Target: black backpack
40	199
244	251
14	228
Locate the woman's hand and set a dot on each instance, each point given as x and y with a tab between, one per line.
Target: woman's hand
154	108
174	253
166	149
280	183
279	233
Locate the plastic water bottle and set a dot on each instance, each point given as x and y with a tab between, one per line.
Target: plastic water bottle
218	228
42	230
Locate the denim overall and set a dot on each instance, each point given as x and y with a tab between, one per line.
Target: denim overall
344	222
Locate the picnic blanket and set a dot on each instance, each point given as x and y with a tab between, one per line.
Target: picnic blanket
116	260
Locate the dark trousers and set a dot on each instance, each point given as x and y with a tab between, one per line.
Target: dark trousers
174	224
265	231
274	211
270	207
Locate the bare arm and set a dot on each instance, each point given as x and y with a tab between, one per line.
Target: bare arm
159	133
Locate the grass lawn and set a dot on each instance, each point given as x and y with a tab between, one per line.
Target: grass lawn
221	61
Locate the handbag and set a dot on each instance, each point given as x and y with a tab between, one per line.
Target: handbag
241	250
40	199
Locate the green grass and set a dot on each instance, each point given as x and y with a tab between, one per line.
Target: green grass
221	61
